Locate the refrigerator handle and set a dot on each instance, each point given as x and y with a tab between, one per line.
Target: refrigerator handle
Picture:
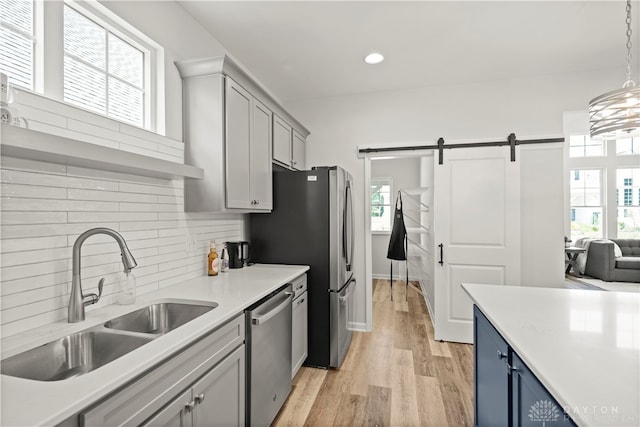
347	240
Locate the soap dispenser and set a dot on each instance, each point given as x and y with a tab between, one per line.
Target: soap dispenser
126	292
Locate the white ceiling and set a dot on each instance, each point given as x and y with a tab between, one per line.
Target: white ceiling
310	49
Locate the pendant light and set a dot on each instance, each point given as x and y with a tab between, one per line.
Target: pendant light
616	114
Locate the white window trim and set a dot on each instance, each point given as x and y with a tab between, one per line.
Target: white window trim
577	123
49	56
391	204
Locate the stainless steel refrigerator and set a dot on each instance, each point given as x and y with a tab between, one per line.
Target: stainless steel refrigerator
312	224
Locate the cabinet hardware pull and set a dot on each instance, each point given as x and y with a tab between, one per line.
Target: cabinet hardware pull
511	369
441	246
301	301
189	406
200	398
501	355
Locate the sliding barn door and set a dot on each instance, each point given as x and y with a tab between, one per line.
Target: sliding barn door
477	222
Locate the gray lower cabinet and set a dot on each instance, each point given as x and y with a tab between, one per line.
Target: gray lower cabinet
203	384
507	393
299	324
217	399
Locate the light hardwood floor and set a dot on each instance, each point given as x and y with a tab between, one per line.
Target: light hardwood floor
396	375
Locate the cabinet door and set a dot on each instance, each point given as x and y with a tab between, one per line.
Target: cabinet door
532	404
260	151
220	394
281	141
237	144
491	374
177	413
299	326
298	147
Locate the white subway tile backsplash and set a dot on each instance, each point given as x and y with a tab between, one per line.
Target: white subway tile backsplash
35	269
45	206
42	255
174	200
112	216
128	187
10	287
50	180
27	217
36	114
11	204
30	244
113	176
32	191
14	163
111	196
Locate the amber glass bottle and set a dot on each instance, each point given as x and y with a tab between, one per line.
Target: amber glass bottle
213	262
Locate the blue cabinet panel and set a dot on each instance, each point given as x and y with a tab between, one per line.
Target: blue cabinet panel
533	405
507	394
491	374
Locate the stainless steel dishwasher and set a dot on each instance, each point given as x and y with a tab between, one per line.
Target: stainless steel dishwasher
269	356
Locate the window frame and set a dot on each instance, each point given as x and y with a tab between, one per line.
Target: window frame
49	57
600	205
385	181
577	123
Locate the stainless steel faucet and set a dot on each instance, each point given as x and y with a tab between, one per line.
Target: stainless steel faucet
77	301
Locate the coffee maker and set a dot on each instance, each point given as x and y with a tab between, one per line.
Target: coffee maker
238	253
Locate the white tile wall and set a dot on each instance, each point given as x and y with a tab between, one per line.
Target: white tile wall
45	206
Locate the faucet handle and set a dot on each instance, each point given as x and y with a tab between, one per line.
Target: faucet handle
93	298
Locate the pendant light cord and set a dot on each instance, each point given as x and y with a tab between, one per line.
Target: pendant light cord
629	81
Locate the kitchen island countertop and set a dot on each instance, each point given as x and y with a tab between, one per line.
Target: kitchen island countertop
583	346
28	402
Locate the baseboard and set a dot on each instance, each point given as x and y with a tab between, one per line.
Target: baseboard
395	277
357	326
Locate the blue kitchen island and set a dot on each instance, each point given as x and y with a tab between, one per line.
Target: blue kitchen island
555	357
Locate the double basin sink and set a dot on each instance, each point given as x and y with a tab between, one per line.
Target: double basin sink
85	351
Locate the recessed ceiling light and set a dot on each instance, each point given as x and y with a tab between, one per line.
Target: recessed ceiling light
374	58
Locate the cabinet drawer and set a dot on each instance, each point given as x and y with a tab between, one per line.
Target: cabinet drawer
134	403
299	286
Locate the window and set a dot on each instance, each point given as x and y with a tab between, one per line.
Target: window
586	203
107	66
628	218
381	204
583	146
625	147
102	72
17	42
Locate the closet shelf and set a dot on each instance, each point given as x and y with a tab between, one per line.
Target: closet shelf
34	145
415	191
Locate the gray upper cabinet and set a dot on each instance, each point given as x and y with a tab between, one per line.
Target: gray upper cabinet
282	133
248	144
229	131
288	145
298	151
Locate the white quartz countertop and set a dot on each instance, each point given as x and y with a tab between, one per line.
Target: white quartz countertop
583	345
34	403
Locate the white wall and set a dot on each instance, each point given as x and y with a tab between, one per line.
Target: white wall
526	106
406	174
